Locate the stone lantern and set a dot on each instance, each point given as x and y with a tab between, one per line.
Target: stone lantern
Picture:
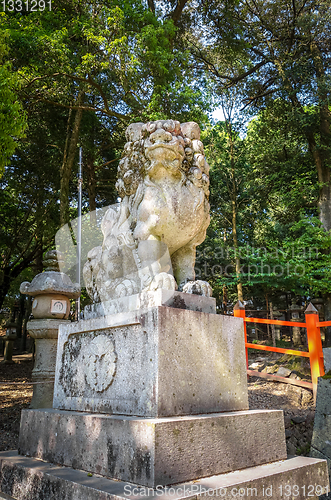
277	315
9	340
51	290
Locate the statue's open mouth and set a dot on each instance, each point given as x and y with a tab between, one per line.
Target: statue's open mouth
175	147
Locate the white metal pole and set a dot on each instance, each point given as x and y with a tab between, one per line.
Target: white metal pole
79	230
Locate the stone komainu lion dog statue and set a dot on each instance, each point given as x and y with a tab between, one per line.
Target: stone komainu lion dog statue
150	238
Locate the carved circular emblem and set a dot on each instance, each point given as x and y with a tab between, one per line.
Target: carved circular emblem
100	363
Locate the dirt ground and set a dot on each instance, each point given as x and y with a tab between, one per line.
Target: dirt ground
297	404
15	395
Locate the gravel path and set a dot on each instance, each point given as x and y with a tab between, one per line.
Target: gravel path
15	395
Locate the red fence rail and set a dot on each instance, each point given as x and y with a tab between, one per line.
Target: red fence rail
315	351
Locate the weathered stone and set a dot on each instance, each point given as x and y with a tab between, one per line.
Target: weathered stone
3	496
45	333
144	300
306	397
327	358
310	417
154	451
317	454
149	239
51	282
283	372
321	440
30	478
291	449
51	289
164	361
8	341
298	419
257	366
287	421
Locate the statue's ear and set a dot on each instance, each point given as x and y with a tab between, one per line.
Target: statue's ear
133	132
191	130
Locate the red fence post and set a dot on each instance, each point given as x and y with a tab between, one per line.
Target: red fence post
239	312
314	345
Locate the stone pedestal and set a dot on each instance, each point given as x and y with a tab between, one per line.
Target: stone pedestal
150	398
321	440
45	333
145	300
327	359
161	361
154	451
298	478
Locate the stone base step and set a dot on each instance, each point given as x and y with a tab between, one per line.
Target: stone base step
30	479
154	451
3	496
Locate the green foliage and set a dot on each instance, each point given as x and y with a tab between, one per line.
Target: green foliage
327	376
122	62
12	116
272	186
28	204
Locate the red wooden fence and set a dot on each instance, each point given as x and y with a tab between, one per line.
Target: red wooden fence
314	353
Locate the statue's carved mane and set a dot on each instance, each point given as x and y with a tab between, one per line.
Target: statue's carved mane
133	166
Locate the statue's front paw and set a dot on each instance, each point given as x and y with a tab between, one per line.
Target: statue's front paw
162	280
125	288
198	287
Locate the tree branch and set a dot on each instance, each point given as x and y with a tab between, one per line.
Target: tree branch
238	78
178	10
151	6
87	108
255	98
232	79
89	80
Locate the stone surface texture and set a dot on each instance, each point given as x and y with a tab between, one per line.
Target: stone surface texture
327	359
51	282
150	239
321	440
51	289
26	478
162	361
283	371
45	333
144	300
154	451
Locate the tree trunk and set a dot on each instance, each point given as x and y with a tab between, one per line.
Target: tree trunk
234	213
268	326
19	322
69	154
322	161
225	299
273	332
28	308
4	286
91	183
237	258
296	334
256	331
